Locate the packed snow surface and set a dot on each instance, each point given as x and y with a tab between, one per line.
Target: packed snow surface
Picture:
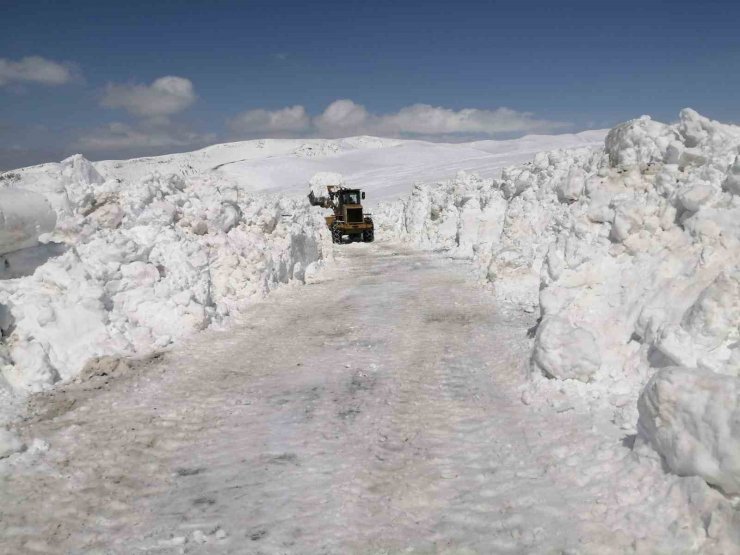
631	254
397	428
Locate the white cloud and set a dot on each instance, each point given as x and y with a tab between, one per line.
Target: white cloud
423	119
123	137
293	118
165	96
35	69
344	118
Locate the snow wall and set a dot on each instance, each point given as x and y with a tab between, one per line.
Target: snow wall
24	216
631	253
146	263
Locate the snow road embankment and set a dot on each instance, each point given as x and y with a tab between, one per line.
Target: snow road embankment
145	263
632	254
159	246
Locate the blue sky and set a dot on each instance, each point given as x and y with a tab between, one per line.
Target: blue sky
83	76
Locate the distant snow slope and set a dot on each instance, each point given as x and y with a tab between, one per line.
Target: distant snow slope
385	168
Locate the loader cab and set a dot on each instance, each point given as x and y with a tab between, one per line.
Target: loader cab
351	196
350	206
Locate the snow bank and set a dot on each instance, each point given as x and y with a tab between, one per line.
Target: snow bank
148	262
631	252
505	225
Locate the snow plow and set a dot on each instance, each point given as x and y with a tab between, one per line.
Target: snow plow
348	218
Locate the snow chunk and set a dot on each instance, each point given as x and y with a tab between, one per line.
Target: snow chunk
77	169
692	198
704	135
638	142
565	351
320	181
571	187
732	182
691	418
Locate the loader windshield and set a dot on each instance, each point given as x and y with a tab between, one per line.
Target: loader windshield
351	197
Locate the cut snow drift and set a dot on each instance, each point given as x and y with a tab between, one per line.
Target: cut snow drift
632	254
149	262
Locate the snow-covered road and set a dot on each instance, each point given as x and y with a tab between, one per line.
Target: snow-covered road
376	410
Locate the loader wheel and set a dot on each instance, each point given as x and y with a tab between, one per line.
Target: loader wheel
336	235
368	236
